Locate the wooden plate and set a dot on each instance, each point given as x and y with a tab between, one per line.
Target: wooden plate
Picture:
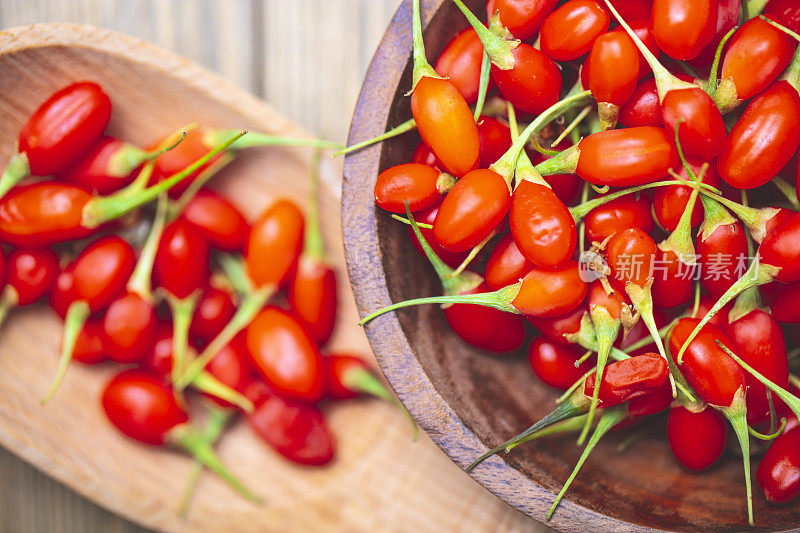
468	401
381	479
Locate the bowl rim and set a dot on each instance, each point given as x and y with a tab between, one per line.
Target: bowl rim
392	349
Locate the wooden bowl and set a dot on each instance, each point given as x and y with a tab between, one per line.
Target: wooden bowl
469	401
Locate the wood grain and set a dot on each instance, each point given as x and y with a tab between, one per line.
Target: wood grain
381	480
306	57
469	402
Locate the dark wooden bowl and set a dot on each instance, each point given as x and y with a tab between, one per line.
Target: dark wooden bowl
467	400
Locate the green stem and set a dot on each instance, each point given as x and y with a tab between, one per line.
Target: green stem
364	381
581	223
737	416
565	162
422	69
483	87
572	125
696	305
130	157
757	274
572	388
17	169
570	425
77	313
576	135
217	419
792	74
497	48
256	139
755	219
102	209
248	309
586	337
749	300
534	143
772	414
8	301
453	281
577	405
507	163
209	384
527	172
140	281
788	191
196	443
142	178
235	273
169	142
524	169
753	8
473	253
580	211
607	329
715	215
513	126
167	145
502	300
780	26
647	341
726	98
189	489
665	80
642	300
177	207
680	241
772	436
407	222
682	155
791	401
710	85
313	244
610	418
582	359
406	126
684	397
443	270
594	125
182	310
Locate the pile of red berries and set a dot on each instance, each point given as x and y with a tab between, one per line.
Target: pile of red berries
207	304
641	214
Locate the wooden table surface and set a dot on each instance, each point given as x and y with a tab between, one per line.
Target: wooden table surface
307	59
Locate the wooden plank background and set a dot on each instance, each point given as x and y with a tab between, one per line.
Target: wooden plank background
305	57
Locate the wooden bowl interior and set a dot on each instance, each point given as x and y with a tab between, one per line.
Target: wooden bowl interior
497	397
